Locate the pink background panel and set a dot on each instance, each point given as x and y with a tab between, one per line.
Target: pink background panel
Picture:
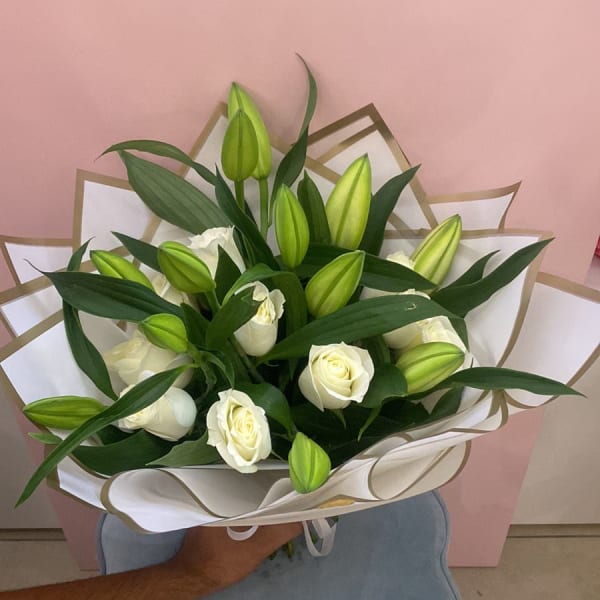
482	93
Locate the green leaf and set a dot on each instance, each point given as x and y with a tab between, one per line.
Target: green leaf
293	162
447	405
387	382
378	273
219	360
45	438
496	378
474	272
143	394
311	102
239	309
144	252
356	321
373	414
290	286
464	298
243	223
171	197
226	275
109	297
189	454
382	206
133	452
195	325
378	350
272	400
311	201
88	359
163	149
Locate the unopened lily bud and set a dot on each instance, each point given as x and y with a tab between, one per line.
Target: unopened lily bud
165	331
348	205
331	287
291	227
424	366
239	154
309	464
434	255
240	100
113	265
184	270
63	412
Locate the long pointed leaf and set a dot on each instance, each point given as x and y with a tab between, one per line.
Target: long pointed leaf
464	298
311	201
144	252
110	297
163	149
496	378
171	197
382	206
474	273
356	321
85	354
190	453
239	309
140	396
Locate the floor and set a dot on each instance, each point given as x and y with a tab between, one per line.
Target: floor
536	565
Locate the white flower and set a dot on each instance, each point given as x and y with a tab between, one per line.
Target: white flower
239	430
130	359
402	259
259	334
439	329
336	375
166	291
170	417
206	247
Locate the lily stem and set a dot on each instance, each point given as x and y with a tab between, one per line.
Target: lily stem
263	186
239	195
213	302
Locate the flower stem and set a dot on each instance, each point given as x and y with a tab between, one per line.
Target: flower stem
213	302
263	186
247	362
239	195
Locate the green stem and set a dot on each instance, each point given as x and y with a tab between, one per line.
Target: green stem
247	362
213	302
239	194
263	186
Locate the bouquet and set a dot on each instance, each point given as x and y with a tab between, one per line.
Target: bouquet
279	343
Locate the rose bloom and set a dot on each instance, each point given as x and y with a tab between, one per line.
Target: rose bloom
171	417
206	247
336	375
259	334
132	358
239	430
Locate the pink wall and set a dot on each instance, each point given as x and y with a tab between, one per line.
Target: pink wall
482	93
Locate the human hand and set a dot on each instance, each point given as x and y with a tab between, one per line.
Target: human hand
210	555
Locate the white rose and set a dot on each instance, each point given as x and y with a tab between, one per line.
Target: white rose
407	336
171	417
439	329
166	291
239	430
402	259
336	375
259	334
130	359
206	247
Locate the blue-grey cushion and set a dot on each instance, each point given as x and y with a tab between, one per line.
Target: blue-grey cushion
393	552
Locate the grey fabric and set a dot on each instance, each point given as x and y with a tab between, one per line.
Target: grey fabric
393	552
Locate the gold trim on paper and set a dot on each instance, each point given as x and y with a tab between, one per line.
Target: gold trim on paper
9	263
357	115
564	285
347	143
337	502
